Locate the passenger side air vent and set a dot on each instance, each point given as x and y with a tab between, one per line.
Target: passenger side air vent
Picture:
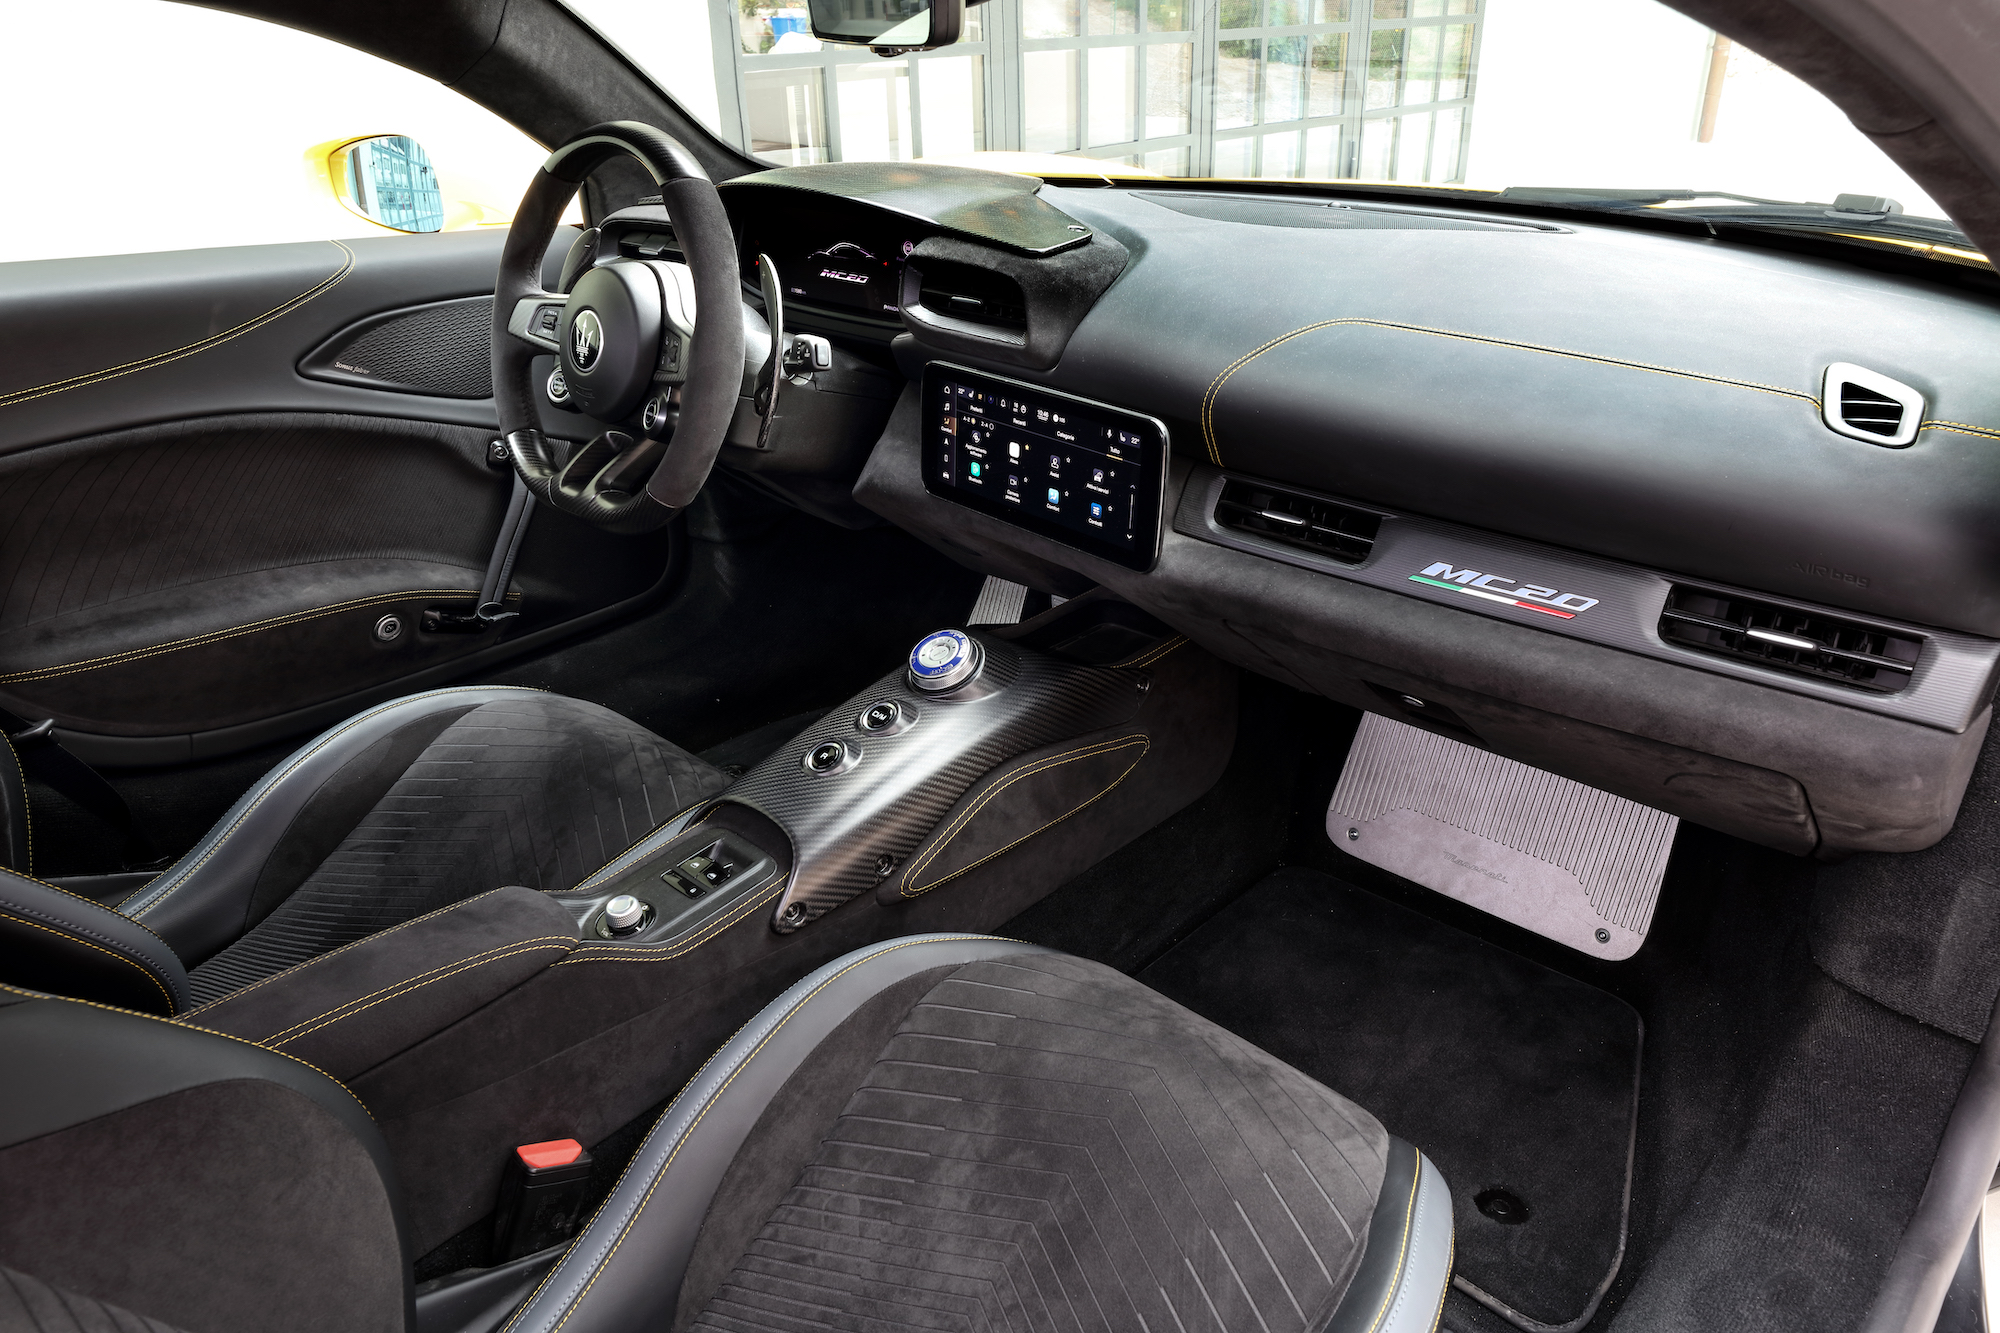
1862	405
975	295
1320	526
1804	643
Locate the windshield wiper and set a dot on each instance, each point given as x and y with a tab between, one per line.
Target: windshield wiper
1849	216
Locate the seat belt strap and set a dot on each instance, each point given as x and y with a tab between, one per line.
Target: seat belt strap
506	547
44	759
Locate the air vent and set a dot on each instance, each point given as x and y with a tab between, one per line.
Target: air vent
1862	405
1804	643
1320	526
976	295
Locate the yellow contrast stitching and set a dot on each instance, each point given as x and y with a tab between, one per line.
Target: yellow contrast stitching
226	1036
273	784
57	888
1154	654
320	288
1960	428
1039	766
653	953
221	1000
1450	1258
1215	386
1403	1254
232	632
716	1096
27	815
410	985
74	938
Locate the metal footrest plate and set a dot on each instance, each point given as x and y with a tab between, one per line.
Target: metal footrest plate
1569	862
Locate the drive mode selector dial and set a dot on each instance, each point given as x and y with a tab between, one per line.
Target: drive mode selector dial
944	661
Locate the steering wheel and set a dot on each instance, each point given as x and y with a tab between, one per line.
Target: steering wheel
624	333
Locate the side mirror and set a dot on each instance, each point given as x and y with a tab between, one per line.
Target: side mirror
387	179
889	27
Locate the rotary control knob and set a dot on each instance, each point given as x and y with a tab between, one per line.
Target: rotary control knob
944	661
624	913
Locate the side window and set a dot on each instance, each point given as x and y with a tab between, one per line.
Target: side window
199	128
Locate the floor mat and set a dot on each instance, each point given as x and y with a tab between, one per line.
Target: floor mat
1511	1077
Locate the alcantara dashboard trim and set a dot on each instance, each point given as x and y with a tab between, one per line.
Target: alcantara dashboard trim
1953	680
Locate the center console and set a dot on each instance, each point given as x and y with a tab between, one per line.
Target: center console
841	808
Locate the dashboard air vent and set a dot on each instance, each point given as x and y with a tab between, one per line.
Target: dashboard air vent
1862	405
1319	526
1805	643
976	295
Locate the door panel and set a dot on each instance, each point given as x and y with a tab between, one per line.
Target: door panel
198	541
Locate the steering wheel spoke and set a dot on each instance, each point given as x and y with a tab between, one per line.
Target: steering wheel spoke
537	320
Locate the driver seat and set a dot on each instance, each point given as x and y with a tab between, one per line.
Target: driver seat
411	806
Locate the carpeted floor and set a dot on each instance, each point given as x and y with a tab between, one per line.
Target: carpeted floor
1511	1077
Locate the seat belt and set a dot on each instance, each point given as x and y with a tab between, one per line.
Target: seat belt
506	546
44	759
491	608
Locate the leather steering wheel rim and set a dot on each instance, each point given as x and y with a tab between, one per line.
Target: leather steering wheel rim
715	362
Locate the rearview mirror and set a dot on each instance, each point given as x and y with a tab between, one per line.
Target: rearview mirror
889	27
388	179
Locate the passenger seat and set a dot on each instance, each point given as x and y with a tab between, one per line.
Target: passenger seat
942	1132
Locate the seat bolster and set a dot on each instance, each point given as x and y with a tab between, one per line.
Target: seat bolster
1400	1284
202	901
625	1270
54	941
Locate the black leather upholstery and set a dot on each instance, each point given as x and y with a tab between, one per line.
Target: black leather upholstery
407	808
17	834
54	940
964	1132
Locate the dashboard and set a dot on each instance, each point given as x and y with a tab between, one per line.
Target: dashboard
1600	498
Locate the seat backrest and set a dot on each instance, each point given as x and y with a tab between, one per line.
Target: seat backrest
54	941
191	1178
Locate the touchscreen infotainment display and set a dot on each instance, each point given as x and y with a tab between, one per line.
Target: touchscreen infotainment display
1082	473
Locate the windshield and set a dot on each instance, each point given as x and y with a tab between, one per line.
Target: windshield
1569	101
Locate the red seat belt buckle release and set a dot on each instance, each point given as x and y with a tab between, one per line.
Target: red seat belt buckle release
542	1195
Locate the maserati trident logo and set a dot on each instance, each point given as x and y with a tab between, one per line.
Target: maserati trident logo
586	339
1495	588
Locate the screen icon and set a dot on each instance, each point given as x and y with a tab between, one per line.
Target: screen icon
1055	496
1096	509
1014	449
1055	463
975	469
1097	475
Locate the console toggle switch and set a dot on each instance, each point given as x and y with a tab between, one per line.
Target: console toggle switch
706	870
825	758
879	718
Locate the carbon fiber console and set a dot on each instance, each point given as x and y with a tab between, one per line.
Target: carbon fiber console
854	822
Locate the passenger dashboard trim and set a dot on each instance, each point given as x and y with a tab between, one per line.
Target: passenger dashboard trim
1953	680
